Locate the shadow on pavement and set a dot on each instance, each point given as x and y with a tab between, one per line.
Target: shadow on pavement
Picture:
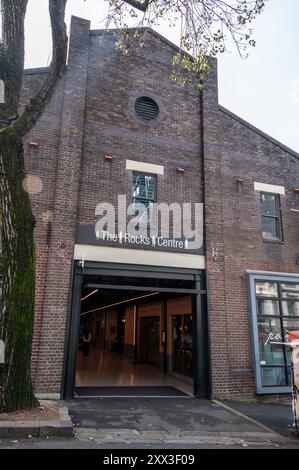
275	416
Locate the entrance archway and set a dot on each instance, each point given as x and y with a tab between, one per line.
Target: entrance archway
147	324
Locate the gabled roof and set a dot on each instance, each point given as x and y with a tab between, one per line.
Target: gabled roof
101	32
258	131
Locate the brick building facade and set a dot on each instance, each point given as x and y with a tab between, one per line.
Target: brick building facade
200	153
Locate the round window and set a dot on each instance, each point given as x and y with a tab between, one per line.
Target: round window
146	108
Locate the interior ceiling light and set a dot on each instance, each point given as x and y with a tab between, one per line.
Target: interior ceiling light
89	295
119	303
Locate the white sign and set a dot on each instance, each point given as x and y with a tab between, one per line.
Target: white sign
142	240
2	352
2	92
272	337
180	225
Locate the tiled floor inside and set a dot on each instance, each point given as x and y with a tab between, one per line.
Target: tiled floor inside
105	369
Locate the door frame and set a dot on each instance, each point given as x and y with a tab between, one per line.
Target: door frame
201	380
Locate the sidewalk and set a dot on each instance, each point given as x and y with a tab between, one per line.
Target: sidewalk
176	423
275	416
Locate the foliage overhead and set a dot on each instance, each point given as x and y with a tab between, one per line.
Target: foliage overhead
207	27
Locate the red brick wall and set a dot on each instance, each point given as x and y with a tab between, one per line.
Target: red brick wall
111	129
232	149
41	162
90	117
59	169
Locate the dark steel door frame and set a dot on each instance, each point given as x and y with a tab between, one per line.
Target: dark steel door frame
201	346
201	363
73	334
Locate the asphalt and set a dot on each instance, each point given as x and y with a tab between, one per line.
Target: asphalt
275	416
169	423
156	414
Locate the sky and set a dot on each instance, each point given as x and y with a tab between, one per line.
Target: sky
262	89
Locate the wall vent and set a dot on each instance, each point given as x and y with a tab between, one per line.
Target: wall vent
146	108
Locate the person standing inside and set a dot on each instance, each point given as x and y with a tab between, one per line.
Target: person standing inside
86	342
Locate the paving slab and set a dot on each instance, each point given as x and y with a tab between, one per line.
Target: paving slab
151	423
62	427
178	422
153	414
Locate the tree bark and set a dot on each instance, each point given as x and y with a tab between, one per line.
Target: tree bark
18	278
17	221
12	53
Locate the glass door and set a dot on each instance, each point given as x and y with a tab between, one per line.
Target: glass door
182	362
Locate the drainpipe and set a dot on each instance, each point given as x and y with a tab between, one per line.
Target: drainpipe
206	309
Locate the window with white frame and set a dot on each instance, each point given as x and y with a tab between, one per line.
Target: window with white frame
143	192
271	216
275	312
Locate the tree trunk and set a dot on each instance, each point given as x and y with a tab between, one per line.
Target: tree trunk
17	260
18	278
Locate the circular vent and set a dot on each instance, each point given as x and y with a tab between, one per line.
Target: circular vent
146	108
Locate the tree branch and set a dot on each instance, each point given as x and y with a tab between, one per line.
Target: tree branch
34	110
142	6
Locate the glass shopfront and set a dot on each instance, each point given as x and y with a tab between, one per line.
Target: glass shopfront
275	312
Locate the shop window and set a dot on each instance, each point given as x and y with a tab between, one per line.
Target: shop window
271	216
143	192
275	312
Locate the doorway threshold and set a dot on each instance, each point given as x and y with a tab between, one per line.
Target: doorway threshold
130	392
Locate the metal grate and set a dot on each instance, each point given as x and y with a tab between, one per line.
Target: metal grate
146	108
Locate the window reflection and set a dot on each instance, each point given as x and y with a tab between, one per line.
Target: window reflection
268	307
143	195
182	344
269	331
290	309
271	217
273	377
266	289
290	291
276	318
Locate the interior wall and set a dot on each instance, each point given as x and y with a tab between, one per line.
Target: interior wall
154	309
178	306
129	339
175	306
111	328
129	326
